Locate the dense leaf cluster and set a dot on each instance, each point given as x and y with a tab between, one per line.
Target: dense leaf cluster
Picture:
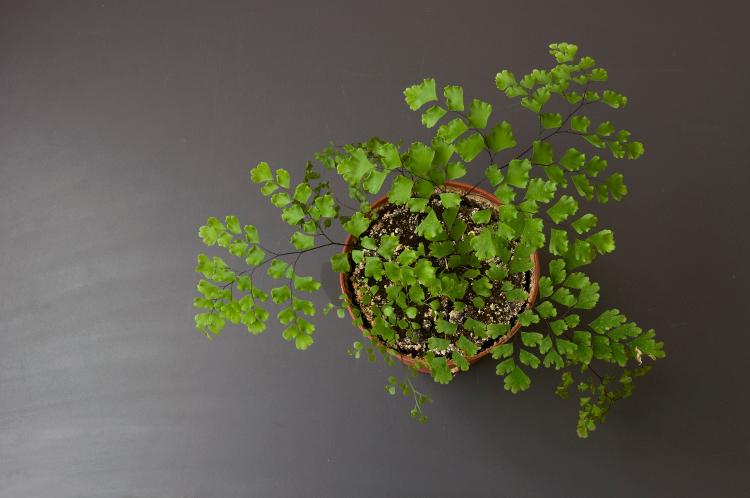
546	192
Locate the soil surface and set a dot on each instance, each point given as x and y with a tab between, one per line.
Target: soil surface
398	220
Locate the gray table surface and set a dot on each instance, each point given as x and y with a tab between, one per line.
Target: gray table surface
123	125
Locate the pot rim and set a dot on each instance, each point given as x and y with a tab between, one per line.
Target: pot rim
418	362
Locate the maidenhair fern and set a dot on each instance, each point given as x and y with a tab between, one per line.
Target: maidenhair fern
547	193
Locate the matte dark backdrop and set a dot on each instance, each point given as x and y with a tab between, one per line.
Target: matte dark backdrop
123	125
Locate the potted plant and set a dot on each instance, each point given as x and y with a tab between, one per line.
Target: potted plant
438	273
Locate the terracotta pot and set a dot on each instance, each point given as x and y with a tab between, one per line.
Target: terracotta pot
411	361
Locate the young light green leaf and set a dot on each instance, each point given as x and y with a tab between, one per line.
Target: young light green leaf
432	115
566	206
357	224
418	95
501	137
261	173
479	113
400	190
470	147
454	97
518	172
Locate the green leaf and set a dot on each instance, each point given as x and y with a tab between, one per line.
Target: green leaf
563	52
301	241
432	116
502	351
607	320
438	344
598	74
558	243
505	366
556	175
616	186
483	244
605	129
454	97
302	192
553	358
255	256
420	158
557	270
470	147
494	175
357	224
501	137
532	234
565	347
518	172
536	101
418	95
374	268
528	358
445	327
545	287
389	155
595	165
306	284
251	234
482	216
546	309
479	113
441	249
431	227
573	159
517	380
563	296
531	339
340	262
603	241
452	130
454	171
613	99
482	286
634	150
584	223
374	181
281	294
580	124
352	169
293	214
576	280
326	206
551	120
281	199
527	318
282	178
566	206
440	371
261	173
505	79
400	190
541	153
424	271
450	200
467	346
540	190
588	297
388	245
278	269
233	225
583	186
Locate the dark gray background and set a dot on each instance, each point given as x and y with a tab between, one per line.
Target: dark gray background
123	125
